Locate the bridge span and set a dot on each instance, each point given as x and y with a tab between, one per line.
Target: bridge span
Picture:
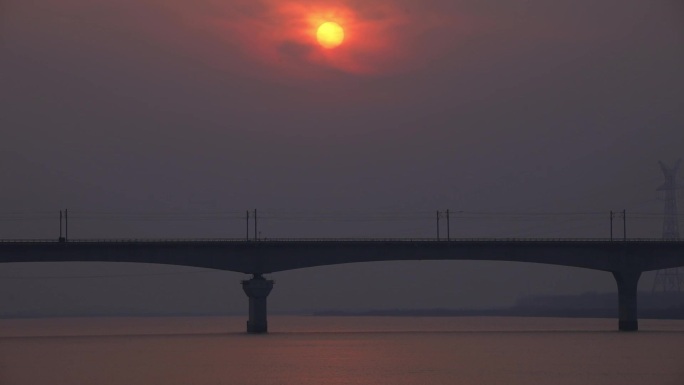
625	259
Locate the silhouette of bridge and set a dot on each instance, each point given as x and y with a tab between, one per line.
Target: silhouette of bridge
625	259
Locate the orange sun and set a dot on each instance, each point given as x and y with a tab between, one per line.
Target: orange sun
330	34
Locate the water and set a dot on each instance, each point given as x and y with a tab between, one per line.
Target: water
340	350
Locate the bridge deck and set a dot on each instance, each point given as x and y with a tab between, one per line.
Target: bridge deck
271	255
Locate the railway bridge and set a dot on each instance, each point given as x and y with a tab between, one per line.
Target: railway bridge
626	260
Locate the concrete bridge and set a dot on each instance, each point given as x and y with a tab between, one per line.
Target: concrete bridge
625	260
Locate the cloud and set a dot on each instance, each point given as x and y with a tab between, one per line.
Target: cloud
271	39
380	37
295	51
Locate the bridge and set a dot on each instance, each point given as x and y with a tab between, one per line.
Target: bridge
626	259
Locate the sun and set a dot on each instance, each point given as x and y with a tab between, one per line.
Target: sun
330	34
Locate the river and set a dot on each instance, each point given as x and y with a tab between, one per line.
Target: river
339	350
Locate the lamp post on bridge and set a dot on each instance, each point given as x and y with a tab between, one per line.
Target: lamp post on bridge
61	238
624	224
448	224
63	218
447	216
612	215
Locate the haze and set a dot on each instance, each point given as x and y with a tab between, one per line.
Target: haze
193	107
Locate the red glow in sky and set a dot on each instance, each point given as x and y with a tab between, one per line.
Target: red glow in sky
282	36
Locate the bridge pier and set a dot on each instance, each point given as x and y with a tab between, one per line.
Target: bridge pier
257	289
627	282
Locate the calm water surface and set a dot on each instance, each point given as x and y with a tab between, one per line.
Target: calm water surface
340	350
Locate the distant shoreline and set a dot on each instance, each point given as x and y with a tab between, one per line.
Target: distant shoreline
587	305
505	312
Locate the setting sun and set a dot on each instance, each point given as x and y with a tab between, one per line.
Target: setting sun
330	34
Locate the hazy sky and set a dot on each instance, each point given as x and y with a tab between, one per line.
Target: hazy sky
170	106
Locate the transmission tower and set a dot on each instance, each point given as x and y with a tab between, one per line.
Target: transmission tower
670	279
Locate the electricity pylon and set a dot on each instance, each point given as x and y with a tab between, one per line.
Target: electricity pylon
670	279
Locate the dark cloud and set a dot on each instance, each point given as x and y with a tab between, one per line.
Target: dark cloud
295	51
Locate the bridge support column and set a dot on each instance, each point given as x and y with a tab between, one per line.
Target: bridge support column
627	282
257	289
